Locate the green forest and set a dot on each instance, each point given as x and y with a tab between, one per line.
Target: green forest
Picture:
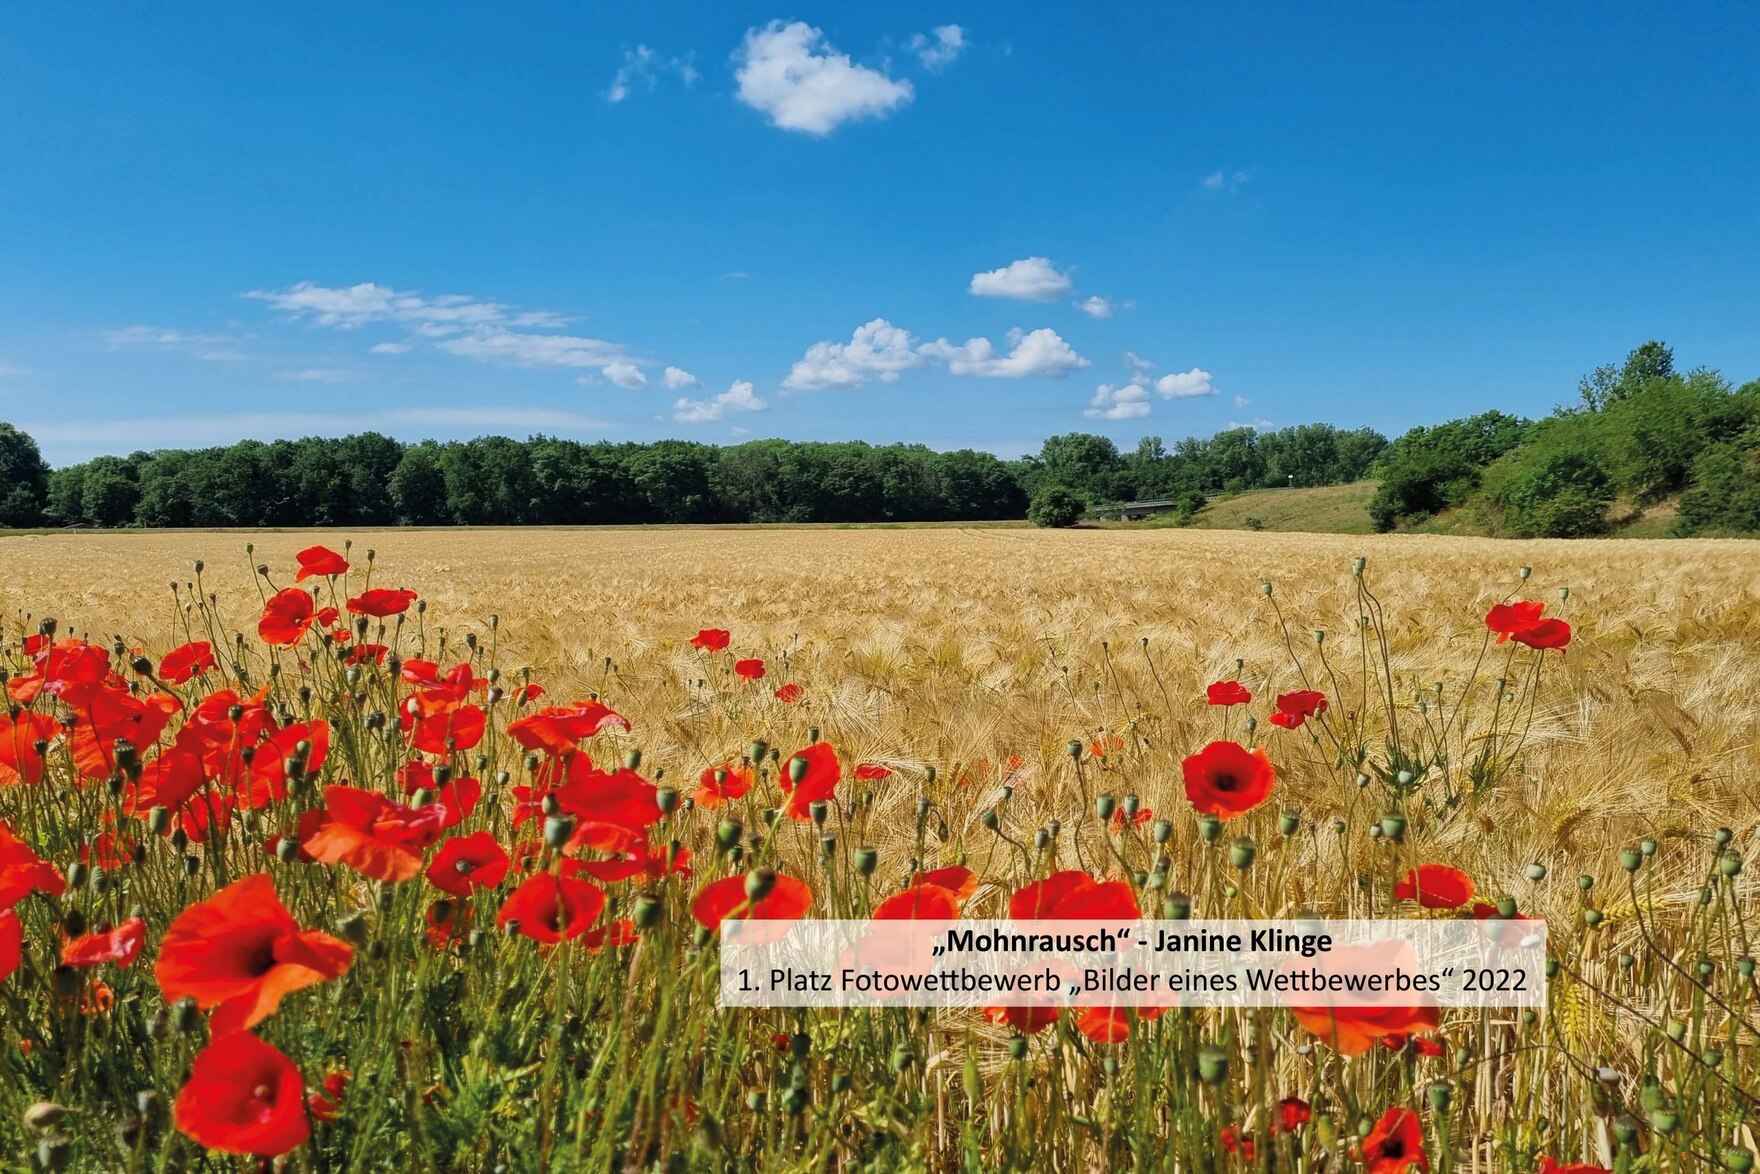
1636	434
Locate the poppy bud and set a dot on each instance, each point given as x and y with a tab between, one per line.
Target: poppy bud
1319	636
667	799
757	750
646	912
353	927
1591	916
558	829
812	733
1647	847
1177	906
1212	1064
46	626
797	769
54	1153
902	1058
1139	877
1625	1129
759	883
76	878
1104	806
828	846
1536	871
1738	1160
421	798
1242	853
1358	565
384	898
1209	827
1393	826
1441	1093
1723	836
990	819
1074	748
819	809
1745	967
1041	839
1524	572
632	760
1664	1120
287	849
1289	823
727	834
179	839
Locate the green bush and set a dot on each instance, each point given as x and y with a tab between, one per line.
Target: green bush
1564	495
1056	507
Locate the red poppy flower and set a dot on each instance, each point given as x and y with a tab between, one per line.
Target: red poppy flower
1026	1020
1292	1114
559	729
243	1097
449	924
873	771
962	882
1227	779
1396	1144
20	733
286	616
1429	1045
119	945
1435	886
372	835
266	778
1549	1165
712	639
788	694
1227	693
382	602
621	932
818	781
920	902
787	900
319	560
550	909
1353	1030
326	1102
187	662
11	943
1143	816
23	872
1295	708
526	693
467	863
107	714
751	670
1521	622
451	730
363	653
734	780
1235	1142
242	952
635	857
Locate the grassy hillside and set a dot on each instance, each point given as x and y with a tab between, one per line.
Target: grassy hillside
1327	509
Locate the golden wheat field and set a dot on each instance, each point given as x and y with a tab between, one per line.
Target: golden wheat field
964	650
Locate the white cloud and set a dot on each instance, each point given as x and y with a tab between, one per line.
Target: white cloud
1129	402
1138	363
1096	306
941	48
877	350
1225	181
643	65
791	73
737	398
625	374
1031	279
1042	352
1241	401
1186	384
356	305
523	349
213	348
389	348
315	375
677	379
1258	425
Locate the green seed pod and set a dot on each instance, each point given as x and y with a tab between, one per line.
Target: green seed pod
354	927
1177	906
1017	1048
902	1059
558	829
1625	1129
727	834
1441	1093
185	1017
1393	826
45	1115
1664	1121
759	884
1631	860
73	923
1738	1160
1161	831
76	875
1209	828
158	820
866	861
1506	907
1104	806
1289	823
1073	748
1723	836
1242	853
1745	967
840	1082
667	799
1358	565
819	810
1730	864
287	849
1647	847
1212	1064
1591	916
1585	882
1536	871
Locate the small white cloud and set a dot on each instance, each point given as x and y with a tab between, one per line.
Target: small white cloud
677	379
1096	306
389	348
625	374
1043	353
1241	401
212	348
941	48
1186	384
1128	402
1138	363
791	73
1031	279
642	65
1258	425
737	398
876	350
1225	181
315	375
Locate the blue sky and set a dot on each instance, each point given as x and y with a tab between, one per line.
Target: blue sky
886	222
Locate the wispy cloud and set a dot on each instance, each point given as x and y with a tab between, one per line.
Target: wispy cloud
1225	181
644	67
737	398
212	348
316	375
940	48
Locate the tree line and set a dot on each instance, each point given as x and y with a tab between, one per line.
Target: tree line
374	480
